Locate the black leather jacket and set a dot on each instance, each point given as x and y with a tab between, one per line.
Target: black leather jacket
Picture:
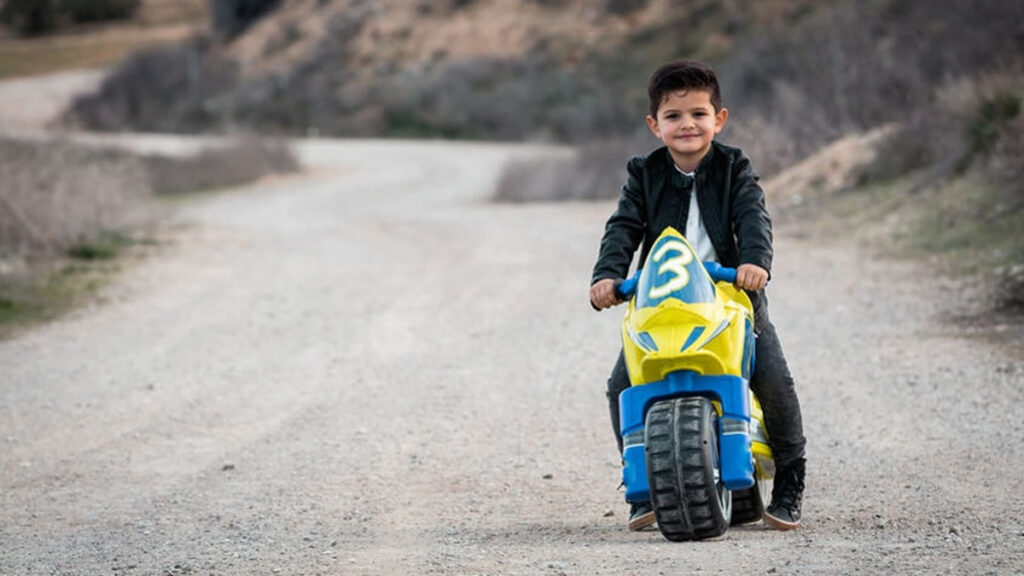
731	206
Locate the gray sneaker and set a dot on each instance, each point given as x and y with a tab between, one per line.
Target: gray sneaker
641	516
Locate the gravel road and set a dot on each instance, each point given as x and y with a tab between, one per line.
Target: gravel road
33	103
372	370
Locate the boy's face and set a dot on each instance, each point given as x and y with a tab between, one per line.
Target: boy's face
687	123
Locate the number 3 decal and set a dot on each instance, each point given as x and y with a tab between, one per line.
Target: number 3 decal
676	266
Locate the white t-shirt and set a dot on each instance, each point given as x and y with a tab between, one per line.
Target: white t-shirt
695	232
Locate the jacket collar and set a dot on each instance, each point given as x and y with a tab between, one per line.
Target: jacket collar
669	165
702	165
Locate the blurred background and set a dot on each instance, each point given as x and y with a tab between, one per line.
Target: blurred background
896	121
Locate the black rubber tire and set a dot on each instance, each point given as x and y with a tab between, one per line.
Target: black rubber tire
747	506
681	440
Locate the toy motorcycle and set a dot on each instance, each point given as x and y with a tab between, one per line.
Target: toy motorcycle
693	433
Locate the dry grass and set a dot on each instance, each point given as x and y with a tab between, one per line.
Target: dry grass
65	212
157	22
33	57
57	195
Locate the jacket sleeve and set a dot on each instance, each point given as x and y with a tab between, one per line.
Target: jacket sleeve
624	230
752	225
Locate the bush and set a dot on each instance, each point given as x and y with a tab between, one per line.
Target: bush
240	162
970	120
990	119
232	17
33	17
29	17
55	195
532	98
99	10
623	7
168	89
1010	286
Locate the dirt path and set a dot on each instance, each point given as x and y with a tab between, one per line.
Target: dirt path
374	371
33	103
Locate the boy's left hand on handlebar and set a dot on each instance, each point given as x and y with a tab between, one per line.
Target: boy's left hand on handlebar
751	277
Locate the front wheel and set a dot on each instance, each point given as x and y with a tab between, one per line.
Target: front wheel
684	469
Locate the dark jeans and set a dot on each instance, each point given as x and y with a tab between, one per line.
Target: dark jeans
771	382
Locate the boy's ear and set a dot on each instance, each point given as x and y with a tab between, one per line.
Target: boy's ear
720	119
653	125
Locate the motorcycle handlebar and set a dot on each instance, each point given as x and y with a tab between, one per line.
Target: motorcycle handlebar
720	273
625	289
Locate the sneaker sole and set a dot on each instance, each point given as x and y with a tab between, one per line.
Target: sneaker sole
780	524
641	522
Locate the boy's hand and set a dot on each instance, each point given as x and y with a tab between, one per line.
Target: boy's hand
602	294
751	277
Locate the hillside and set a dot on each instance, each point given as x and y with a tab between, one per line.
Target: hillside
494	69
944	80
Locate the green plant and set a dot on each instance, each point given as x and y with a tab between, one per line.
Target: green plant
231	17
622	7
105	246
33	17
992	116
98	10
29	17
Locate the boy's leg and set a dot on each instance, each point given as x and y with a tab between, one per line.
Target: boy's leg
617	382
773	384
641	515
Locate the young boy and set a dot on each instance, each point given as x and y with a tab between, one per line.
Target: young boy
711	192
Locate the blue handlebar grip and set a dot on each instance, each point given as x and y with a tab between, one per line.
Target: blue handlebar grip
720	273
626	288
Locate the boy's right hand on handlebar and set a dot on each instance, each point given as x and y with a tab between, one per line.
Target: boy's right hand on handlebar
602	294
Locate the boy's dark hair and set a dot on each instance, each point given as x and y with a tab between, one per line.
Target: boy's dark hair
682	76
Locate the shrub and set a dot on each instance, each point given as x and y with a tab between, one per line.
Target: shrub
1010	286
29	17
969	120
168	89
33	17
622	7
99	10
990	119
55	195
239	162
502	99
231	17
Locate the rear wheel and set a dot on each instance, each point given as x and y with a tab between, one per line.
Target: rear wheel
684	471
748	505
